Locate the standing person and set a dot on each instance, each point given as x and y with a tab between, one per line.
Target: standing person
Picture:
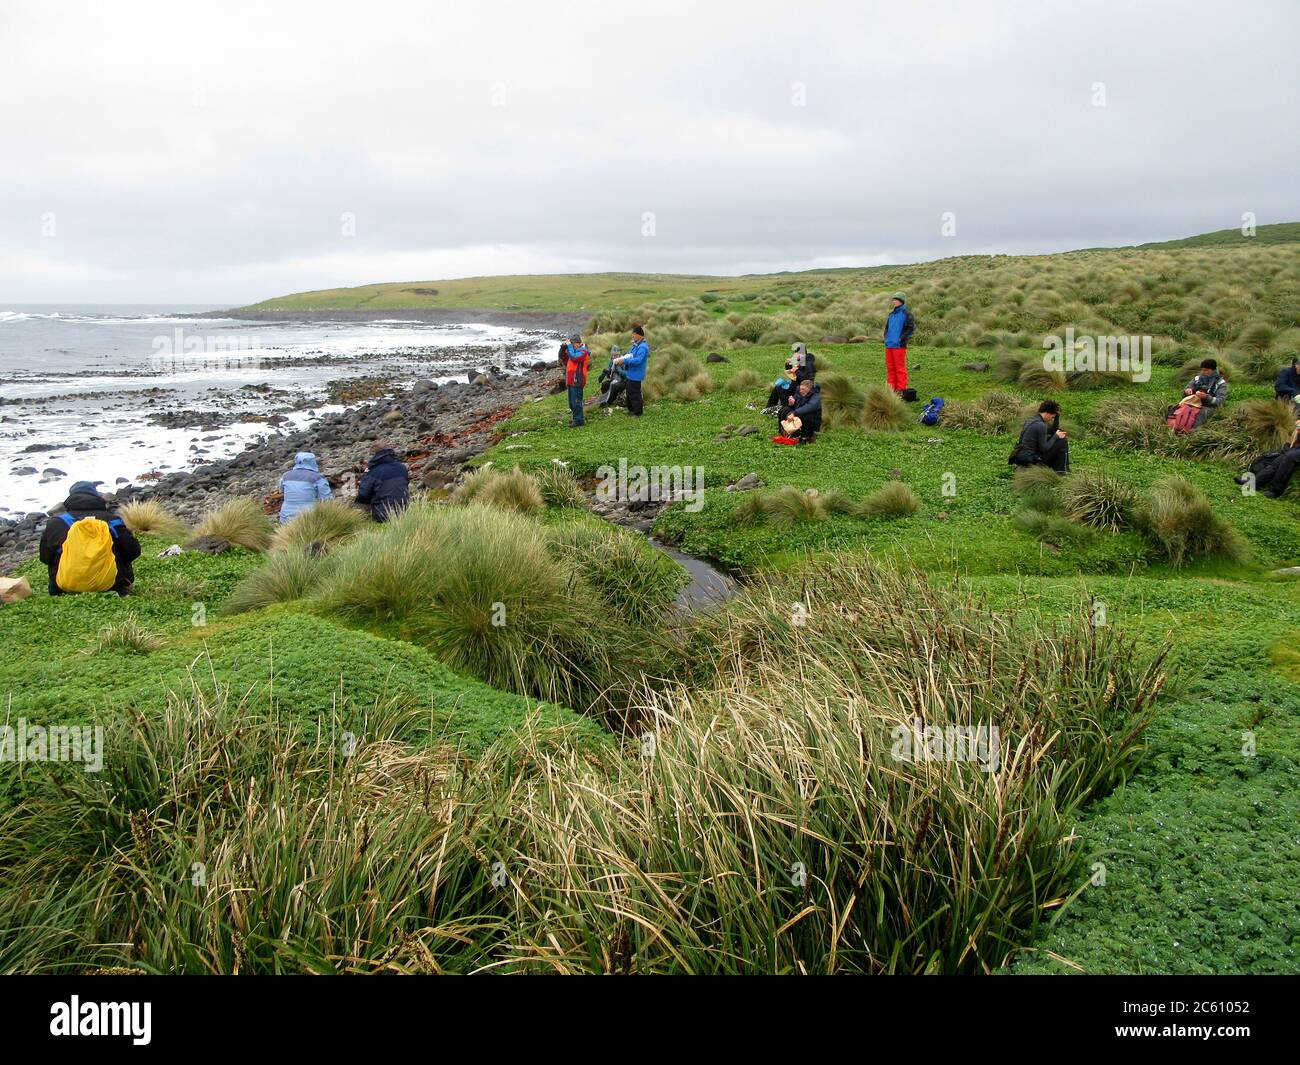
634	365
303	487
1042	442
385	487
88	556
577	359
899	327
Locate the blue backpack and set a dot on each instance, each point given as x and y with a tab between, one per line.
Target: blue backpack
930	414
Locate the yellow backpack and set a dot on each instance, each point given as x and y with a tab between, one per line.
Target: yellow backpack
86	561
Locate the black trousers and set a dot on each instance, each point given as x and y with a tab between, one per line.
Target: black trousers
1060	461
634	402
1278	476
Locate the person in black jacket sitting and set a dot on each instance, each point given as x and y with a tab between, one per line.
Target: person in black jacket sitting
1287	383
799	367
807	407
384	487
84	501
1041	442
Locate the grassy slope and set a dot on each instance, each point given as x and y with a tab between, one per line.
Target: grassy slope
527	292
1279	233
1200	847
308	665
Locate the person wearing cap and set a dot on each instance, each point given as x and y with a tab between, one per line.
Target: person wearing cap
898	331
799	367
84	501
634	364
577	358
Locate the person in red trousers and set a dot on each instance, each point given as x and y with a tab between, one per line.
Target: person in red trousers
898	330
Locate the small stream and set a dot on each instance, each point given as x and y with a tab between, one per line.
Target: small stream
707	587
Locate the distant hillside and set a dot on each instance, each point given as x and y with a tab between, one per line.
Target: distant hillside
1281	233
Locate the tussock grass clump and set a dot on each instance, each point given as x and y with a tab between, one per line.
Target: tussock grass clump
752	508
790	505
1038	378
992	413
329	523
743	381
842	399
1270	422
484	590
1049	527
1179	518
891	500
490	487
638	583
559	488
288	574
882	410
677	374
1099	501
241	521
148	517
1139	422
1008	366
1027	478
128	636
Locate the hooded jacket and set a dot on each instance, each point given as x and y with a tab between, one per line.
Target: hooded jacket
575	365
899	327
89	504
303	486
385	486
1214	385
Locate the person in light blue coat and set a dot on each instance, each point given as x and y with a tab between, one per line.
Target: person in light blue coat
303	486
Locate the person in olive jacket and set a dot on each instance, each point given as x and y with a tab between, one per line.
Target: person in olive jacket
84	501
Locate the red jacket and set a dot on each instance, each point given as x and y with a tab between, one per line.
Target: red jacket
575	370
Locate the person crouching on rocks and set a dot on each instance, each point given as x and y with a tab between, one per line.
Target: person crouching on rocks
800	424
1042	441
88	548
577	359
385	487
303	487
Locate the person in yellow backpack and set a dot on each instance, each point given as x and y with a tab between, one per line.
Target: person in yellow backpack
87	548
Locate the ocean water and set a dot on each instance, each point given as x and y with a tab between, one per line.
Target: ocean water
122	394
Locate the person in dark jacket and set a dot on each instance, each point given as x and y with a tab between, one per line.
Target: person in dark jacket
1042	443
1273	477
807	407
1287	383
384	488
800	366
84	501
613	381
899	327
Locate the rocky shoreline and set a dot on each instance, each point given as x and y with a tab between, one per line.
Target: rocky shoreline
436	428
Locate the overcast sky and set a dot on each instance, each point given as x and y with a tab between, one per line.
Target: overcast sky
220	153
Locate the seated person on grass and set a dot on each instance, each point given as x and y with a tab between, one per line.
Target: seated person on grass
1287	384
801	423
613	381
1041	442
1203	395
88	548
800	366
1272	472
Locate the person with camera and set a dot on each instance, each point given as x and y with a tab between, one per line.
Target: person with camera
1042	441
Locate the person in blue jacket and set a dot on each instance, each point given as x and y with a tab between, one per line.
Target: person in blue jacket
634	366
303	487
385	487
899	327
